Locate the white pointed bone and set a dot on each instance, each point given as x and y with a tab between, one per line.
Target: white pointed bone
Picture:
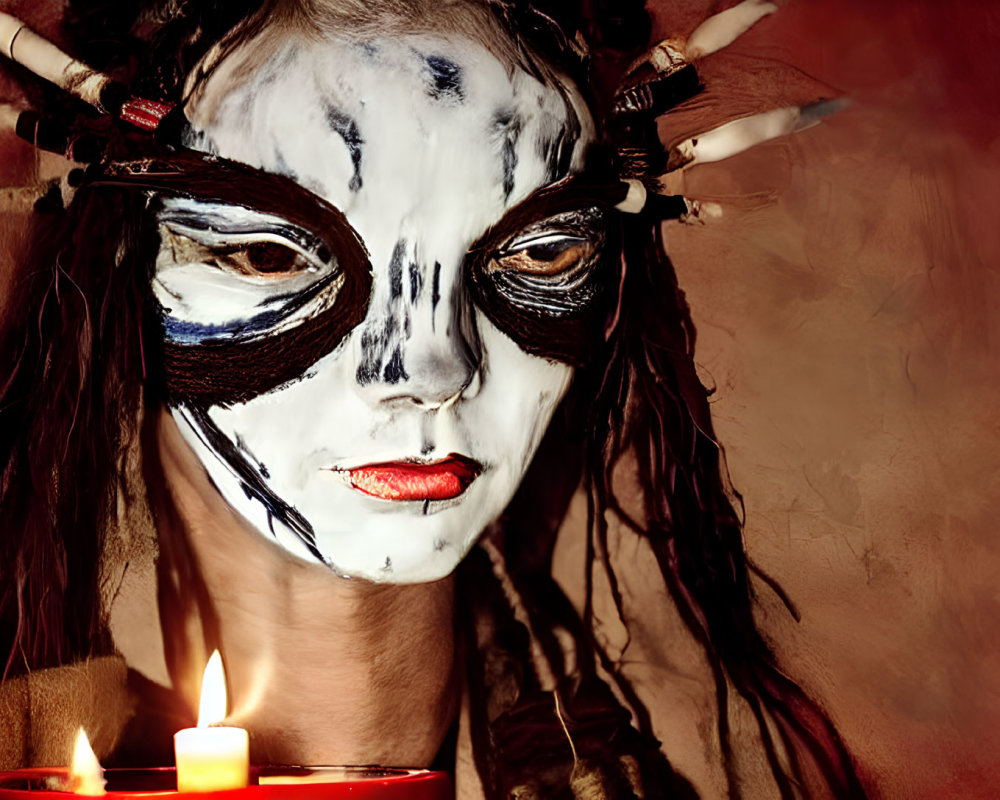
21	44
666	55
722	29
8	117
739	135
700	212
635	199
718	31
22	199
10	27
662	56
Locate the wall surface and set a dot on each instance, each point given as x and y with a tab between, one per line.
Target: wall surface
846	309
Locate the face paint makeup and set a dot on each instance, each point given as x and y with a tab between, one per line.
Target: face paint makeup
396	441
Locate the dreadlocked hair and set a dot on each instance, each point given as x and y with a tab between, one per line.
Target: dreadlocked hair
644	401
545	725
72	362
691	524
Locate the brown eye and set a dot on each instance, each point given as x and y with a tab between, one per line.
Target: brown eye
263	258
260	259
549	257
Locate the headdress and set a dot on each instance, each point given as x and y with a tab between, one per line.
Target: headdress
644	90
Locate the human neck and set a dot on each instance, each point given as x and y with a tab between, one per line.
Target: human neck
321	669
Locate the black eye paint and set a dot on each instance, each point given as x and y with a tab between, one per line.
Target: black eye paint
223	372
559	314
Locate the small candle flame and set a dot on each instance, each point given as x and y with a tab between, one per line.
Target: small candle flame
212	708
85	774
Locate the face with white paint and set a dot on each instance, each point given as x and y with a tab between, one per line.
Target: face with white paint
391	451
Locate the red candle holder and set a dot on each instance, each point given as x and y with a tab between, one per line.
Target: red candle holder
266	783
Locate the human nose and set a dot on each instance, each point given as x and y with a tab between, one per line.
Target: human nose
419	342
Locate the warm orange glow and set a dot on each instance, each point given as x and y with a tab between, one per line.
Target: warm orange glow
212	707
212	758
85	774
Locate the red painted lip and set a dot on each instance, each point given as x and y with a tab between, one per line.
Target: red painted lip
404	480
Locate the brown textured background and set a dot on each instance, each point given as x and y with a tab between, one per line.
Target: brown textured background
846	312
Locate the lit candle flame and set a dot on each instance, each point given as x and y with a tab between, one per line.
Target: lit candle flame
85	774
212	757
212	708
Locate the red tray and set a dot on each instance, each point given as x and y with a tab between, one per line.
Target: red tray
266	783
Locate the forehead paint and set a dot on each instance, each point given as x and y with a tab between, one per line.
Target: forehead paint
445	79
552	317
244	366
508	126
347	128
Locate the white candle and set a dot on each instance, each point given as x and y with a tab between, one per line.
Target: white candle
216	757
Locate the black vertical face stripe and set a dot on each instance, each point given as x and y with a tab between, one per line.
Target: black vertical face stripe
375	343
550	150
381	354
445	79
383	338
436	286
435	294
396	270
416	281
573	131
556	151
225	372
508	125
347	128
394	371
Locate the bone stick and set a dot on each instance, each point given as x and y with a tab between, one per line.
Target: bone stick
722	29
8	117
701	211
742	134
22	199
635	199
21	44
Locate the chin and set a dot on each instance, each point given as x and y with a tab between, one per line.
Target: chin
363	537
412	542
